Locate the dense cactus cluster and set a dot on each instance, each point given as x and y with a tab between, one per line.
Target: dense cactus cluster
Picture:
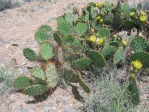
102	33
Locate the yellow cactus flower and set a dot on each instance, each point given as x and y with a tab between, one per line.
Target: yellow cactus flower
143	18
124	43
143	13
92	38
132	75
137	64
101	20
98	17
100	41
132	14
100	4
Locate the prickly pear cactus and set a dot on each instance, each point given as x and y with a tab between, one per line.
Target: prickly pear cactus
117	21
82	64
35	90
139	44
46	51
38	73
108	51
97	58
43	34
118	55
51	75
141	56
30	54
128	25
57	38
134	92
81	29
22	82
69	17
65	28
103	32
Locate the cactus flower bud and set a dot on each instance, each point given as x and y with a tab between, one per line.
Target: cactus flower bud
137	64
101	20
100	41
124	43
92	38
143	18
132	75
143	13
132	14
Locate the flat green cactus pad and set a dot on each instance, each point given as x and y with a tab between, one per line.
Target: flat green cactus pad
103	32
108	51
51	75
38	73
81	29
43	34
65	28
57	38
46	51
22	82
30	54
82	64
36	90
139	44
97	58
141	56
118	55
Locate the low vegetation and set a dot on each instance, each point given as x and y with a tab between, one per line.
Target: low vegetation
103	34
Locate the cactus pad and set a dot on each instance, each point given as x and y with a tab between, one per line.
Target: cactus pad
97	58
82	64
117	22
141	56
134	92
57	38
69	17
51	75
46	51
38	73
30	54
36	90
103	32
139	44
118	55
69	75
81	29
128	25
65	28
43	34
108	51
60	20
22	82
